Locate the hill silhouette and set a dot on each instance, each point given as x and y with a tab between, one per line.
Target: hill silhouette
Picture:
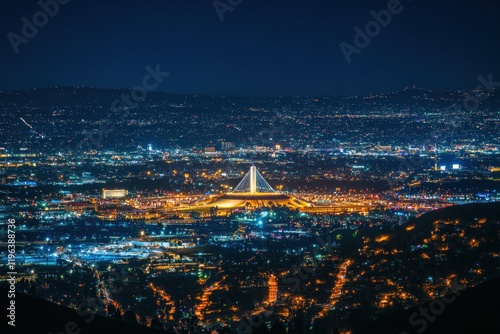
464	212
36	315
474	310
459	243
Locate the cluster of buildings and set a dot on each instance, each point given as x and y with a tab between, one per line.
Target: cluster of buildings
289	207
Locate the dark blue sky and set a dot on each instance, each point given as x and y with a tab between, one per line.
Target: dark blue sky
263	47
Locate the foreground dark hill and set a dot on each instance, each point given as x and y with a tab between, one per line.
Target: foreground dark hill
465	212
421	260
36	315
474	310
475	218
460	242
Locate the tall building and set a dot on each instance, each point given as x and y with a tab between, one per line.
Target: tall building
273	289
227	146
435	157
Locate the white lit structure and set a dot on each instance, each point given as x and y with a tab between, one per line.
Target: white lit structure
114	193
253	183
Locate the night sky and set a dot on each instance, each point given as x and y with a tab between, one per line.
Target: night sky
262	47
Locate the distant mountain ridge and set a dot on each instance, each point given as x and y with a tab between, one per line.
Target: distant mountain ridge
408	92
65	116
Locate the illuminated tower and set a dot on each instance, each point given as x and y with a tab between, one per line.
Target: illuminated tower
273	289
253	183
253	179
253	191
435	157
